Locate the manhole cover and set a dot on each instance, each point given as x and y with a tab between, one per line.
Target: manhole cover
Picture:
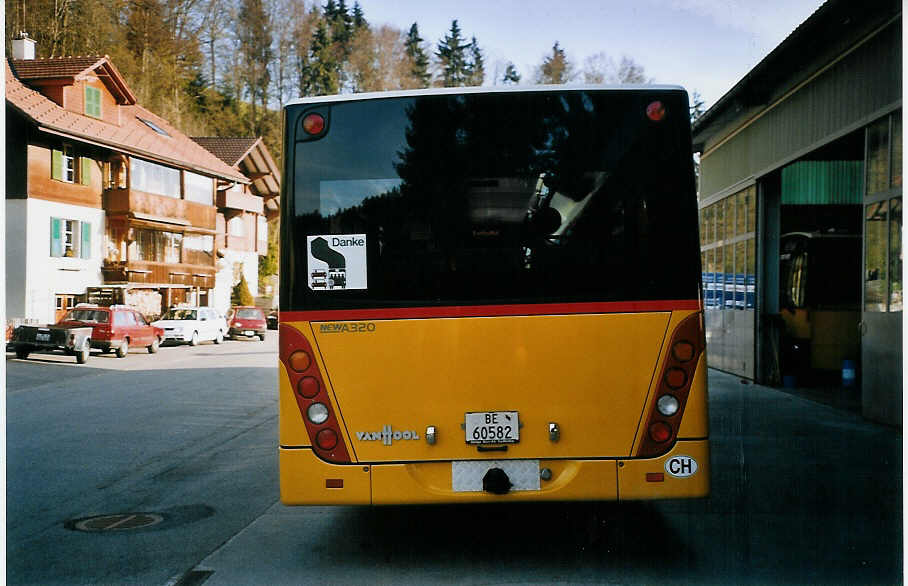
118	522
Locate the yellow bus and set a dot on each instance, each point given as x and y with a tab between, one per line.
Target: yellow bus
491	295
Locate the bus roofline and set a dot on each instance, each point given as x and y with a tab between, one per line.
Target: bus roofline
447	91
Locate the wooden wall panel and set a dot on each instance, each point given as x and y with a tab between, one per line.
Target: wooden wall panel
42	186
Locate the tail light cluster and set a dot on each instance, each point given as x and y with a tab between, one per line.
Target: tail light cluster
311	395
673	386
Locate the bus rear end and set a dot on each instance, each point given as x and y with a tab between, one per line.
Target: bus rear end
491	296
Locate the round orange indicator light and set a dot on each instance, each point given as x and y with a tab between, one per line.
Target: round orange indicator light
675	378
655	111
314	124
660	432
300	361
308	387
683	351
326	439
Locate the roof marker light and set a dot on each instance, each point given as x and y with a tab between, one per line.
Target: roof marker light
314	124
655	111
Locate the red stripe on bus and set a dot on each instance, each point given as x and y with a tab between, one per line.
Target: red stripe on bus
491	310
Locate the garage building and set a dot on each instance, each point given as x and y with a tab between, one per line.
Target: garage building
801	210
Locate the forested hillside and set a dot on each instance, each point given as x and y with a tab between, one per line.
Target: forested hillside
226	67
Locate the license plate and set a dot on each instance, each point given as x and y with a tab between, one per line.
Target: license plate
248	332
492	427
43	337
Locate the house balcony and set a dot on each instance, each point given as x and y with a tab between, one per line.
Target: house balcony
158	274
150	205
234	200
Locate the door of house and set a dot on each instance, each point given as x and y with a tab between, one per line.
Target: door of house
881	315
63	304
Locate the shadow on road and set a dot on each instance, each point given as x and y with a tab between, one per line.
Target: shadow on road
581	535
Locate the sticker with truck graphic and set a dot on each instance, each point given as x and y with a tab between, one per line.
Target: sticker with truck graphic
336	261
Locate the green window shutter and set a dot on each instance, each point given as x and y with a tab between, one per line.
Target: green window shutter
56	237
56	165
85	248
92	101
85	171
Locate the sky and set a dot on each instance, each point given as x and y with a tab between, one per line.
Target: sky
704	45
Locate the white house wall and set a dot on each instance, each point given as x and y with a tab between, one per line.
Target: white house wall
223	280
45	276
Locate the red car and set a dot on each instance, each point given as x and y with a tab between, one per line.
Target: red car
246	321
115	328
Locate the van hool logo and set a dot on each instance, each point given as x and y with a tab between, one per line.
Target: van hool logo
386	435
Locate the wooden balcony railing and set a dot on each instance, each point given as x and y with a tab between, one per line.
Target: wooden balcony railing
132	201
155	273
240	201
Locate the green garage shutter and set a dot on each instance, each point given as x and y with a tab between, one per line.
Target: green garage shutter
56	237
56	165
85	248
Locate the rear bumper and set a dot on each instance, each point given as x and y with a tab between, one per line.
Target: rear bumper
39	348
303	479
106	344
177	336
242	331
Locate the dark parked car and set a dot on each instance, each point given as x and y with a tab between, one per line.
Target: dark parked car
115	328
247	322
272	320
69	339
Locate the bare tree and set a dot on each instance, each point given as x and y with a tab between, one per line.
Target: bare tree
600	68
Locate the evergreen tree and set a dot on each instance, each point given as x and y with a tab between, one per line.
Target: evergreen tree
476	72
452	58
696	106
555	68
419	68
511	77
319	74
240	294
268	264
359	19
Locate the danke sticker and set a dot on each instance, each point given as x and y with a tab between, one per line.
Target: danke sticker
336	261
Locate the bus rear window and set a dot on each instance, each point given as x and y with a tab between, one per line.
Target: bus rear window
530	197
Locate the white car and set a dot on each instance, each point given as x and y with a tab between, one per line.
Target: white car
192	325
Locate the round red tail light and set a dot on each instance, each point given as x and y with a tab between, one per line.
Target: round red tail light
326	439
683	351
314	124
675	378
660	432
300	360
308	387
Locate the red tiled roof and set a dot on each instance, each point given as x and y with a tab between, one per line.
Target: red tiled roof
72	68
132	136
231	150
26	69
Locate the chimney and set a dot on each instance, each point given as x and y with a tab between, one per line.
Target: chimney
23	47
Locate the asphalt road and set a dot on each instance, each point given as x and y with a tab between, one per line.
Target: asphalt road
802	493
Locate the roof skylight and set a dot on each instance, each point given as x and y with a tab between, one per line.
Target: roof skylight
153	126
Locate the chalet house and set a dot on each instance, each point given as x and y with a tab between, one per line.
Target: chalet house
104	199
243	212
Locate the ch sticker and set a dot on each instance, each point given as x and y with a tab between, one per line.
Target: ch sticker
681	466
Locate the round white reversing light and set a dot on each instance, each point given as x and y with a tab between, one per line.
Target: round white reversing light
317	413
667	405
